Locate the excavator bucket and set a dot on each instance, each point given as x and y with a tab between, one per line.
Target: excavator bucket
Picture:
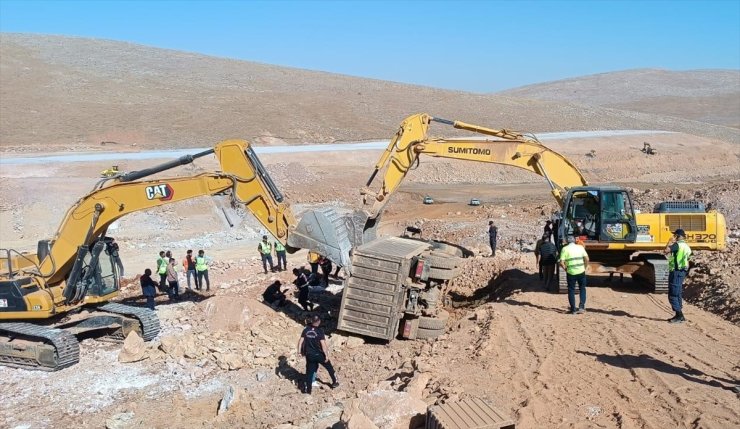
324	231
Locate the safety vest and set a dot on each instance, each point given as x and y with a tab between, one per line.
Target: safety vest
279	247
200	264
265	248
161	266
680	259
572	255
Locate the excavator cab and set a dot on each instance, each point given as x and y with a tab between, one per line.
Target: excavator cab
602	214
94	273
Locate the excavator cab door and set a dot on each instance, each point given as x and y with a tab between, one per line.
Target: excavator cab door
618	223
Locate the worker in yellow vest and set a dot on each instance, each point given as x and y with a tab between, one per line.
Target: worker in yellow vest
162	263
201	268
574	260
678	267
282	261
265	250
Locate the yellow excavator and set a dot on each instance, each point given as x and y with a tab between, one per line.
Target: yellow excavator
50	299
618	238
110	172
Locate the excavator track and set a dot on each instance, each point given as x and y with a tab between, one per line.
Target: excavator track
146	317
48	349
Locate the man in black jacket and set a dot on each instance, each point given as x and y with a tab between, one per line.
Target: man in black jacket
492	237
312	345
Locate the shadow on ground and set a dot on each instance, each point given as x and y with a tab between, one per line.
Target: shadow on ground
632	362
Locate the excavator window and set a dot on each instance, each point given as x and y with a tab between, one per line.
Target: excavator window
583	215
617	217
105	278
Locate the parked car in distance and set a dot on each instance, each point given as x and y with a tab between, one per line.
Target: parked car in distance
428	200
474	202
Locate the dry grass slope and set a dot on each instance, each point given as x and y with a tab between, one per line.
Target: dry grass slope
699	95
74	91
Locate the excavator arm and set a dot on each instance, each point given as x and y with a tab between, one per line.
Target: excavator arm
509	148
242	176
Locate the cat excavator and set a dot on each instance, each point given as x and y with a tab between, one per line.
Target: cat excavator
50	299
617	237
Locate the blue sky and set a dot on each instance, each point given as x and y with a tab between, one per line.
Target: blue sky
479	46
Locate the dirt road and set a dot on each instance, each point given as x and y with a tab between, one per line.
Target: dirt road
620	365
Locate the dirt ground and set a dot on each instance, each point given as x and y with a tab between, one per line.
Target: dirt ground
620	365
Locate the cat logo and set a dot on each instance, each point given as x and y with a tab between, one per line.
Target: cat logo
163	192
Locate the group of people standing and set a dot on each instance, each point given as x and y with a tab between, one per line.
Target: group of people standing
195	267
574	259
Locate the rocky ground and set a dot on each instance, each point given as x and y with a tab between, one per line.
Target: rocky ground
225	359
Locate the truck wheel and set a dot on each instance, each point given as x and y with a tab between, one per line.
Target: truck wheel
423	334
442	260
442	274
434	323
449	249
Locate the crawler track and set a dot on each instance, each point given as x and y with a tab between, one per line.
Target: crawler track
55	349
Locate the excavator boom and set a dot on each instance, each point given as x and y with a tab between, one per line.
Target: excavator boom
509	148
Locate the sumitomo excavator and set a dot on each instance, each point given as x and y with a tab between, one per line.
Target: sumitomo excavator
618	238
62	292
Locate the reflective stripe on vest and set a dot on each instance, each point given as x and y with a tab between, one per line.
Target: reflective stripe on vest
265	248
200	264
573	255
279	247
161	266
680	259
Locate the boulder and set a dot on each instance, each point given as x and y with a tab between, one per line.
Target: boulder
354	418
416	386
228	361
133	350
391	409
231	395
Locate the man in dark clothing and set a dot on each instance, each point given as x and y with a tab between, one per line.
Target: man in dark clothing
312	345
188	264
148	288
326	267
492	237
301	282
548	229
274	294
548	259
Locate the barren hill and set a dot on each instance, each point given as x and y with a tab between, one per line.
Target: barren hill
701	95
75	92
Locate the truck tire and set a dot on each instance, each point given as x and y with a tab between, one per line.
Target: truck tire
449	249
442	260
434	323
423	334
443	274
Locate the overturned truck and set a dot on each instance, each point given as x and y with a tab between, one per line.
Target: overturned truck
396	287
